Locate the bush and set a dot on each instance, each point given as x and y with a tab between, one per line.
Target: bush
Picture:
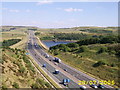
82	49
30	67
112	65
22	69
73	45
40	81
99	63
15	85
101	50
35	86
4	87
10	42
118	53
56	52
47	84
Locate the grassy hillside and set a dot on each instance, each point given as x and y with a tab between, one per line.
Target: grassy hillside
18	72
100	60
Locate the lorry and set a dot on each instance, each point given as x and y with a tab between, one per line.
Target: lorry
56	71
66	82
57	60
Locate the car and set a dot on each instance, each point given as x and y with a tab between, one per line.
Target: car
117	89
47	56
66	82
44	65
56	63
65	69
94	86
56	71
82	87
101	86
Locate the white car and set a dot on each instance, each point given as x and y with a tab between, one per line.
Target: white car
94	86
83	87
47	56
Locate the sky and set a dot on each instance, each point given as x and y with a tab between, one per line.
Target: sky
60	14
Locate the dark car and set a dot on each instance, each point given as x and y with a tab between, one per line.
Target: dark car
65	69
101	86
82	87
94	86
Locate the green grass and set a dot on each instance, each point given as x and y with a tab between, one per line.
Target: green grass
84	61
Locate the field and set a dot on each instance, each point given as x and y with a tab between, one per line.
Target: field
79	30
50	34
16	33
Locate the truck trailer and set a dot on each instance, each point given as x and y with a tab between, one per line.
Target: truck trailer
57	60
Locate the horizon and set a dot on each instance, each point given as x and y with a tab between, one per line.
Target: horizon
56	28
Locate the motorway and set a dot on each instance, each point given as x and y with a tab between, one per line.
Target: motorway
74	75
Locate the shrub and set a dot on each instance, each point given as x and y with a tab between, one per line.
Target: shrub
40	81
22	69
15	85
56	52
99	63
10	42
73	45
101	50
4	87
112	65
35	86
47	84
82	49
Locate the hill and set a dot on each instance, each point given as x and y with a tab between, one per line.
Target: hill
18	71
98	58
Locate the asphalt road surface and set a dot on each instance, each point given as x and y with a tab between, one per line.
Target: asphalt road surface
38	54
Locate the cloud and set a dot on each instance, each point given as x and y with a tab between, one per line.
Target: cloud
28	10
73	10
58	8
45	2
14	10
4	8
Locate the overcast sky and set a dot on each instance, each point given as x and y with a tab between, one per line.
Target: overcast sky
60	14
